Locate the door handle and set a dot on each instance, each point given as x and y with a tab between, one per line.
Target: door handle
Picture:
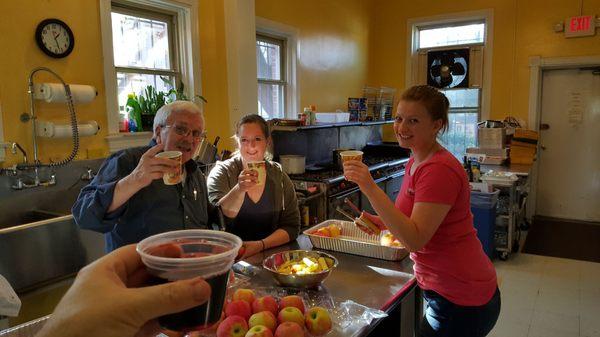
543	147
544	126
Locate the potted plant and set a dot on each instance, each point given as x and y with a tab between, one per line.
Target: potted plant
142	109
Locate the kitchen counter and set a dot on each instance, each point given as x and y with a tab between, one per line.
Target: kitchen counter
380	284
518	169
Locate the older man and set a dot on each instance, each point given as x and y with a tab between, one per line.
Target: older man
128	201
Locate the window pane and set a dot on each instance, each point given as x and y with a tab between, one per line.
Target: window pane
447	36
140	42
461	133
268	60
128	83
270	100
462	98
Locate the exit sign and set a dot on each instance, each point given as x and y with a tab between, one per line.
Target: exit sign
580	26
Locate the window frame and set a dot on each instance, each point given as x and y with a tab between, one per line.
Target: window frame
187	55
447	20
282	43
290	34
171	19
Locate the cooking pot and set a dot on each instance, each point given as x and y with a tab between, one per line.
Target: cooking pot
292	163
207	152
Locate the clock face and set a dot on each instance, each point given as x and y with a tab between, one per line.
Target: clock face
55	38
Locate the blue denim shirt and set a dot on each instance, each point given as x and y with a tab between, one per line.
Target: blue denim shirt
156	208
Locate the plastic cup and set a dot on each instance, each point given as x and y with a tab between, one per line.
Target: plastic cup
186	254
171	178
259	166
351	155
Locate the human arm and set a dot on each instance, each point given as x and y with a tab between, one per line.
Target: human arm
277	238
414	231
108	299
230	198
149	168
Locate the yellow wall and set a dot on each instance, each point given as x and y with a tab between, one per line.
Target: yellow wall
333	47
521	29
18	20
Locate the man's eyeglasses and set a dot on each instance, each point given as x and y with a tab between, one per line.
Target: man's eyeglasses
184	131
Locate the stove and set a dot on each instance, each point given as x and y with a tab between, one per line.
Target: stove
329	182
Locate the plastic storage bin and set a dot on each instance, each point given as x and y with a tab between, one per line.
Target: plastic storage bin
483	207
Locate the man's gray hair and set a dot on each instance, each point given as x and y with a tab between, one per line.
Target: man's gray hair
178	106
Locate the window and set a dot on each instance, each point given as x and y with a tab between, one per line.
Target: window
146	42
271	73
431	36
144	51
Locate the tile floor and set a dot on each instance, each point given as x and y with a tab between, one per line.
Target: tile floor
548	297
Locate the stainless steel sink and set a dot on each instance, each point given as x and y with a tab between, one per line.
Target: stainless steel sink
39	240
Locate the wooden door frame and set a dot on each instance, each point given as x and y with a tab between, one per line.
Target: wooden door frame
537	65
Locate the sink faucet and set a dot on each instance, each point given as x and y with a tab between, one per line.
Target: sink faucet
13	148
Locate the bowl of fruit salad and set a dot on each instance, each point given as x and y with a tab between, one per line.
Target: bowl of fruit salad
300	268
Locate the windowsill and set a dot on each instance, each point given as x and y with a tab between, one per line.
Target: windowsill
124	140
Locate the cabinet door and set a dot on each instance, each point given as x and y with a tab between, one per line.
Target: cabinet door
392	188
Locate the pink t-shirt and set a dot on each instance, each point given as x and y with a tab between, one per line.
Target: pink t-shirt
452	263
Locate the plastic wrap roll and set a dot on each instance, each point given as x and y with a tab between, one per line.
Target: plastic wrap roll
51	130
55	93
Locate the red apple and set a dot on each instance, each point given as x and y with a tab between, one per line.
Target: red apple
238	308
232	326
259	331
318	321
289	329
265	318
265	303
244	294
291	314
292	301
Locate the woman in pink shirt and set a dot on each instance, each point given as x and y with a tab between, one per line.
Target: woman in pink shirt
433	220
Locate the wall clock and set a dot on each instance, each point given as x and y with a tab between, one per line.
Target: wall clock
54	38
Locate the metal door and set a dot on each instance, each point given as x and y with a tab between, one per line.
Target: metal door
568	184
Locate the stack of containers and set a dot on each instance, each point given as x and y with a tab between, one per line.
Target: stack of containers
523	146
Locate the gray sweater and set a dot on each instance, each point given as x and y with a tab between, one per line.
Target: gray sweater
224	176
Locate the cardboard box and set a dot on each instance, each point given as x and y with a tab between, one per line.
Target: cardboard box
491	138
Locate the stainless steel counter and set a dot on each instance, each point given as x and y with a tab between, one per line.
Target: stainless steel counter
371	282
518	169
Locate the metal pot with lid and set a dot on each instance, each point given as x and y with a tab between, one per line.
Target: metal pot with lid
292	163
207	152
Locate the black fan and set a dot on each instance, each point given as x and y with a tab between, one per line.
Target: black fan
448	68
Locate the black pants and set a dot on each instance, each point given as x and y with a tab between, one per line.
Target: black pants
446	319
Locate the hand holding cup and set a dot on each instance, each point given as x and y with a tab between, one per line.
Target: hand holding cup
150	167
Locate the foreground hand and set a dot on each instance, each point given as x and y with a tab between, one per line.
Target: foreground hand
247	179
374	219
151	168
104	301
357	172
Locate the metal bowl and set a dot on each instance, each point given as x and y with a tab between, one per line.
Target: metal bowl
312	280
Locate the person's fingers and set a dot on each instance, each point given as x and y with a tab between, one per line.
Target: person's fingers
124	261
171	297
153	151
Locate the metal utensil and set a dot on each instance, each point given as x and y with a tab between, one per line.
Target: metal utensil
353	206
344	213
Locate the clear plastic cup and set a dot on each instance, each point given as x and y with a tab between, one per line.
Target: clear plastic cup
185	254
351	155
172	178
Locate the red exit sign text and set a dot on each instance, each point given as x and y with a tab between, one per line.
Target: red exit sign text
580	26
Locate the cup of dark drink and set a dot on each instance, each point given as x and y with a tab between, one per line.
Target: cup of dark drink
186	254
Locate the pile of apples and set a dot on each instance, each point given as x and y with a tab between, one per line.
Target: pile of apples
331	231
249	316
